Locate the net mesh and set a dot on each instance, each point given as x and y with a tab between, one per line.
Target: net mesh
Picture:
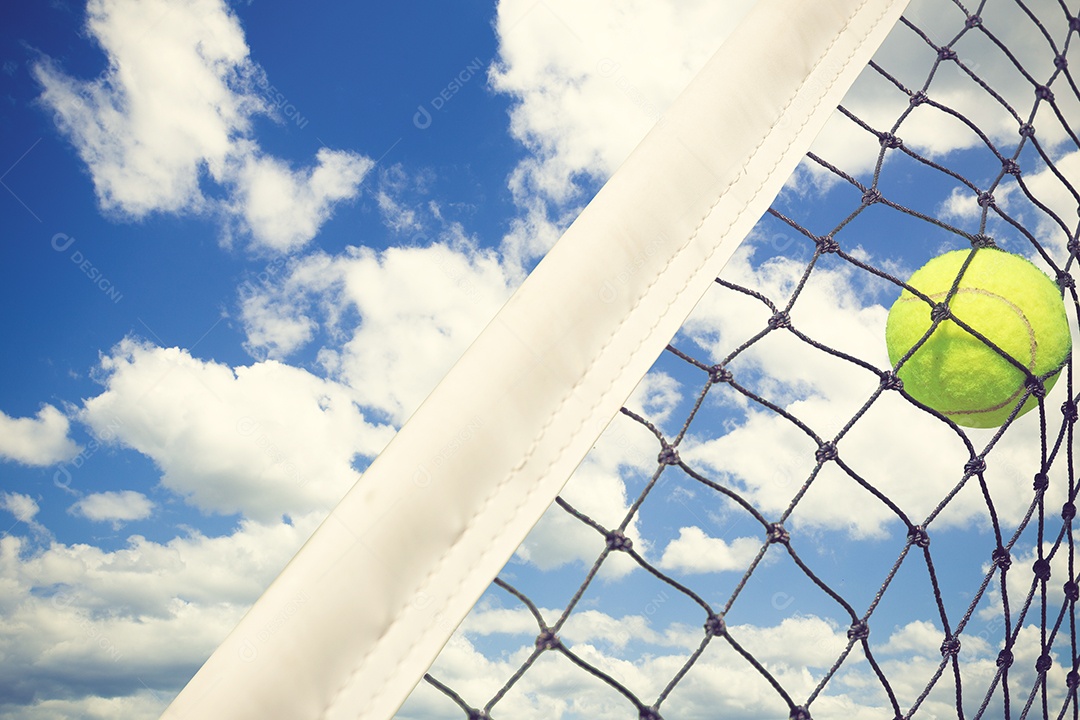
866	557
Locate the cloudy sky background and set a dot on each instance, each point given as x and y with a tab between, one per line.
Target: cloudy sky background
244	241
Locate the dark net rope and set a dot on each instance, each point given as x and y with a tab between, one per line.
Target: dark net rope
1053	527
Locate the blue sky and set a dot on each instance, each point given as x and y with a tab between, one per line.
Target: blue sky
242	241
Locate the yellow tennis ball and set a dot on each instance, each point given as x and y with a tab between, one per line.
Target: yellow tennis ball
1005	298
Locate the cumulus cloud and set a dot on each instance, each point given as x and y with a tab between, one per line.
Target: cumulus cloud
263	440
589	81
274	327
284	208
174	110
118	632
41	440
1046	185
396	216
908	58
114	507
400	317
23	507
695	552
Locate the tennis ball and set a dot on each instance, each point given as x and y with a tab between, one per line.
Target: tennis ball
1006	299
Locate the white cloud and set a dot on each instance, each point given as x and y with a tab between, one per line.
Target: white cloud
143	705
655	397
167	105
400	318
590	80
1049	189
931	132
23	507
396	216
36	441
114	507
695	552
283	209
120	631
274	328
173	109
262	440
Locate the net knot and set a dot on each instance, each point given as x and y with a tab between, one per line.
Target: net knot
1036	387
891	381
1002	558
1027	130
889	140
919	536
1074	24
1005	658
1068	409
982	241
616	540
826	452
946	53
1041	568
1072	679
950	646
871	196
973	21
1041	482
1068	511
648	714
478	715
715	626
859	630
1044	663
827	244
1072	591
975	466
780	320
547	640
720	374
1061	62
940	312
799	713
777	534
1065	280
1043	92
918	99
986	199
1074	247
668	456
1011	167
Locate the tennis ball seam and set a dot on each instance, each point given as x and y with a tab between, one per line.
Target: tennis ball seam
1032	343
1000	296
